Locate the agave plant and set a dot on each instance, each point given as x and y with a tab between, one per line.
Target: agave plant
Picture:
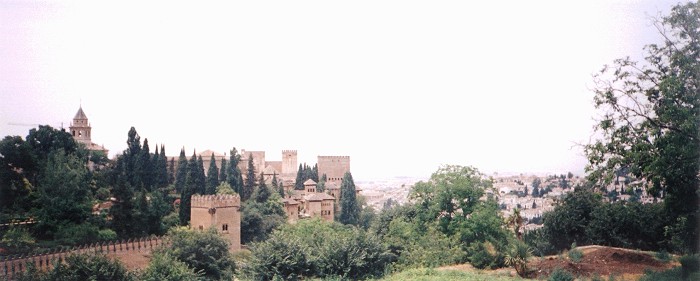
517	256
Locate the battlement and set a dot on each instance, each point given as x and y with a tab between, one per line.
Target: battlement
215	201
333	157
289	152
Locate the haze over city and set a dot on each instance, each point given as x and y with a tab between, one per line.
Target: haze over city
400	86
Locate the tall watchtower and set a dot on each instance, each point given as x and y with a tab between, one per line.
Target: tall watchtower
80	127
289	164
221	212
334	167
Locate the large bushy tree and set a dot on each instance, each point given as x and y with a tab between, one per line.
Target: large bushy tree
650	123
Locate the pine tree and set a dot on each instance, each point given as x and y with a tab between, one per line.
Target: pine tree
212	176
181	176
349	208
249	185
223	171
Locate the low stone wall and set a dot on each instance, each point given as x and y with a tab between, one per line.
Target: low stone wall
12	265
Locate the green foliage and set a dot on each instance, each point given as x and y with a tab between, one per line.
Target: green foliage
485	255
17	168
689	264
204	251
225	188
315	248
651	119
64	195
349	207
17	240
575	255
426	274
677	273
663	256
305	173
164	266
560	274
81	267
417	247
261	215
568	222
223	172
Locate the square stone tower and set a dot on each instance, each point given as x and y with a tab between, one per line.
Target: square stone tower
334	167
221	212
289	164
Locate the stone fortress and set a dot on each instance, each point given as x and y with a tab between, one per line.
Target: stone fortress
223	211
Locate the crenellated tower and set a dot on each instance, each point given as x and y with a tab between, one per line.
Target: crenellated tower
221	212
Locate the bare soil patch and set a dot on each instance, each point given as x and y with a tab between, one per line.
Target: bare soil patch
600	261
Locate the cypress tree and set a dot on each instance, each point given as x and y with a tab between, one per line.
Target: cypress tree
163	180
314	173
144	168
321	185
234	175
122	213
277	186
212	176
223	171
201	178
181	176
133	149
349	208
155	162
249	185
190	188
171	171
262	193
299	182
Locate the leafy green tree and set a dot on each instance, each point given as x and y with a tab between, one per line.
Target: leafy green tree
204	251
212	176
262	214
182	169
164	266
225	188
568	222
315	248
651	120
349	207
17	168
64	196
46	139
80	267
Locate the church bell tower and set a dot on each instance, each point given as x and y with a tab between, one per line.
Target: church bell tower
80	127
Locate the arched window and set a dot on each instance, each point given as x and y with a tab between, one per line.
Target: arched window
224	227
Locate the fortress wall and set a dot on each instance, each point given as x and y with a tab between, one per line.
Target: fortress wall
334	167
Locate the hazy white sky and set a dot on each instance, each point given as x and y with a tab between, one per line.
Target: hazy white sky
399	86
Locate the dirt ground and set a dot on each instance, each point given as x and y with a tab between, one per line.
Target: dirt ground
601	261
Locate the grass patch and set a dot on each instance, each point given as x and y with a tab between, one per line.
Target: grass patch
421	274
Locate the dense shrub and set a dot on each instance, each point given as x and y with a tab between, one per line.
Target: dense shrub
316	248
560	275
81	267
205	251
